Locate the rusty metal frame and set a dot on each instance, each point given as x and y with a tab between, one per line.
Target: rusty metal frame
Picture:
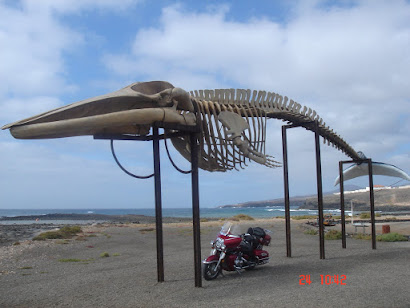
158	206
195	208
342	199
319	185
181	130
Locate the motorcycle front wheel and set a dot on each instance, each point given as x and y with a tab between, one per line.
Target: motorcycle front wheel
211	271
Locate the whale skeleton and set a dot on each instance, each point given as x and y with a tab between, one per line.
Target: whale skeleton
357	170
232	123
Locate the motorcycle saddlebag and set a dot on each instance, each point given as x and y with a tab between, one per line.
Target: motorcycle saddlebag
262	254
246	247
257	231
266	240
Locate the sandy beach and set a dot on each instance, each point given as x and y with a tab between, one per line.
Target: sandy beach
44	274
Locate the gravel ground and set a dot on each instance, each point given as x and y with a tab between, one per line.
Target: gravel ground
33	275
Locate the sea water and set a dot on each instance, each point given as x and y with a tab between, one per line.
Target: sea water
256	212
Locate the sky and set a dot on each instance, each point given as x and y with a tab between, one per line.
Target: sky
348	60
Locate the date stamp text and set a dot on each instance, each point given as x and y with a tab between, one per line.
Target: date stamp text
324	280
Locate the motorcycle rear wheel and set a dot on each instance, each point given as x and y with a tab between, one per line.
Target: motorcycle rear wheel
211	271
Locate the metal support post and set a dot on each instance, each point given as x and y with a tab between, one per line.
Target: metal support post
371	188
315	129
195	209
342	205
286	187
319	192
158	207
180	130
370	165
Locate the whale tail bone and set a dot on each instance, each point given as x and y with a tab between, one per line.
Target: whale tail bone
357	170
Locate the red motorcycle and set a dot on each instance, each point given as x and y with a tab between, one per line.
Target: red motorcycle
233	252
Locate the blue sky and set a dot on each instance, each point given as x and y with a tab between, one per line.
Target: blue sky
348	60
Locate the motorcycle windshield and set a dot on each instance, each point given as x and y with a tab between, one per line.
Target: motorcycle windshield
230	228
226	228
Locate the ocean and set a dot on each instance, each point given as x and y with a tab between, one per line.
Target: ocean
256	212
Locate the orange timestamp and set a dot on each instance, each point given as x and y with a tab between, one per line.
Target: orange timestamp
324	279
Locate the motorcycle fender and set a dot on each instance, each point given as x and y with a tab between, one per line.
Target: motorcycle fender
211	259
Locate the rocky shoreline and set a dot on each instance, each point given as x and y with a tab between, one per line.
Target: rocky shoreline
11	233
129	218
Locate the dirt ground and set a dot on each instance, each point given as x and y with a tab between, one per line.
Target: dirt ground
72	273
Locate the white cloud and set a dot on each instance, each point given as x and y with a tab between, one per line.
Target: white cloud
33	43
350	63
328	51
21	108
50	178
74	6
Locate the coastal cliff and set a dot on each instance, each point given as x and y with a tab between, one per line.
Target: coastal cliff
386	200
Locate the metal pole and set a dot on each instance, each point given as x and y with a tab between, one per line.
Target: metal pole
286	187
342	204
158	207
319	192
195	209
370	165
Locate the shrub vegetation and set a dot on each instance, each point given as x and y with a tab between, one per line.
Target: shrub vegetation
388	237
333	235
366	215
362	236
242	217
311	232
74	260
299	217
391	237
147	229
65	232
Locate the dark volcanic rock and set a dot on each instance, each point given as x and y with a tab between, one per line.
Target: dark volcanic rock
95	217
10	234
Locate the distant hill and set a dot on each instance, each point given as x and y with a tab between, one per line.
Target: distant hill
346	187
390	200
294	201
396	199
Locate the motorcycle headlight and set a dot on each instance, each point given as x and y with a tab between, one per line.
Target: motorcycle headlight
219	244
